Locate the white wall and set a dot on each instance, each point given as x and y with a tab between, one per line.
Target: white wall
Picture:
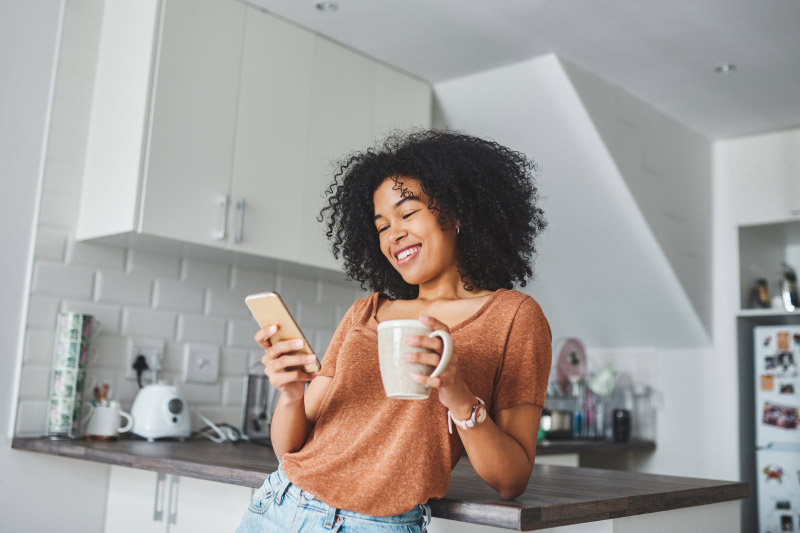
30	483
667	168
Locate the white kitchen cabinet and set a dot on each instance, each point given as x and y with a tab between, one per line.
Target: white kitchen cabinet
140	501
215	123
178	140
765	177
193	115
272	134
342	111
356	101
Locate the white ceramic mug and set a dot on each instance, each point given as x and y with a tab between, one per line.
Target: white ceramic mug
395	372
105	422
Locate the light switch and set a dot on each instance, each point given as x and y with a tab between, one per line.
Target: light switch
200	363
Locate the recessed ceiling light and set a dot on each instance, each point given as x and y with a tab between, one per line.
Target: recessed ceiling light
326	7
725	68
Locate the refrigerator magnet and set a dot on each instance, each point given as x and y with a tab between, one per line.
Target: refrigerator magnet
773	473
767	382
786	388
784	341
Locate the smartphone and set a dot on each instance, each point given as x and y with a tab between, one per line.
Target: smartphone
268	308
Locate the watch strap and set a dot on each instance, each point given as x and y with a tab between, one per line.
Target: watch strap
464	424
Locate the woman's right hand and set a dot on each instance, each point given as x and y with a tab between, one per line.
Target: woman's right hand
290	382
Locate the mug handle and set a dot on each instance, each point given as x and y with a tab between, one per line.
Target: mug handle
88	414
447	351
128	425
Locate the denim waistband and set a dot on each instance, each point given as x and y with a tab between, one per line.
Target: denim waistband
284	487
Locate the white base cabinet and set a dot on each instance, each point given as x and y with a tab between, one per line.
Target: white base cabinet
215	123
140	501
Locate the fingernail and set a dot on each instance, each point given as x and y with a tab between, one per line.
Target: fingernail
297	344
311	358
272	329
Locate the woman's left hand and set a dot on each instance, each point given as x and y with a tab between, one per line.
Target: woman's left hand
453	392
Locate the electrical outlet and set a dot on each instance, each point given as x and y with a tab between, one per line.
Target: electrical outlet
149	348
200	363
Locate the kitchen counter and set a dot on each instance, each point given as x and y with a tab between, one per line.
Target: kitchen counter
556	495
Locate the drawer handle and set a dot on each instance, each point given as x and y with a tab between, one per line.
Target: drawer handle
172	516
222	232
158	506
240	223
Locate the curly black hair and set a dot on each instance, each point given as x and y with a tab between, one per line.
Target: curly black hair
489	189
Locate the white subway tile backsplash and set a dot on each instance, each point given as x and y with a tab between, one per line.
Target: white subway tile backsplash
232	391
234	361
254	365
177	296
322	340
34	382
31	418
108	315
315	315
42	312
206	274
125	391
39	345
50	279
50	244
295	288
121	288
173	358
252	281
96	256
201	329
152	265
241	333
148	323
334	293
221	302
112	352
218	415
201	394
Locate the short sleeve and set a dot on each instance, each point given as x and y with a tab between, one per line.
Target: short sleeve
329	360
525	369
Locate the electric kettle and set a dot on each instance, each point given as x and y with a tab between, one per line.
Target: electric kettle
160	411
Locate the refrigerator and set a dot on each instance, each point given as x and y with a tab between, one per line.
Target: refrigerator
777	354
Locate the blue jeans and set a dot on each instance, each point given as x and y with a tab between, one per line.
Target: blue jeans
281	507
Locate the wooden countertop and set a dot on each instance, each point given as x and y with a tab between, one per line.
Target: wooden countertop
556	495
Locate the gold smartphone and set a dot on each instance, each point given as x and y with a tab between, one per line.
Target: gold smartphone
268	308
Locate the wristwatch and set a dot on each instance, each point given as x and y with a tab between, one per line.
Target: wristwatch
477	417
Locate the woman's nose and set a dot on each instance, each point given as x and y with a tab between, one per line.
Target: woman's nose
396	233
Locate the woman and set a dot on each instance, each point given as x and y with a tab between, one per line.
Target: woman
439	225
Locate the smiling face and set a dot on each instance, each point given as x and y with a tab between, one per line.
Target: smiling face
411	237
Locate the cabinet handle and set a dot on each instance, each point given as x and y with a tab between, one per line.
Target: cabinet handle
158	506
222	232
172	513
240	223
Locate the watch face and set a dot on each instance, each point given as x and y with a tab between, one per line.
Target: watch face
480	414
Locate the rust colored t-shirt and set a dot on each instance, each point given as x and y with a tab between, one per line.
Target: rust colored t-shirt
381	456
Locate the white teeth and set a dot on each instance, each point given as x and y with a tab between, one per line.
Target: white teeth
405	253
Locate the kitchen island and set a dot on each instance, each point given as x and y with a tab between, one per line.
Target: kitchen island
556	495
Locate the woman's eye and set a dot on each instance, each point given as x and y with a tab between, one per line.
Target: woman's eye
382	229
409	214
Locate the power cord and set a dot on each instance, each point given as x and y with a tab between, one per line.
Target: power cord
230	434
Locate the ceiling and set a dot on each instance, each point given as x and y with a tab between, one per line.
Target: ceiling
662	52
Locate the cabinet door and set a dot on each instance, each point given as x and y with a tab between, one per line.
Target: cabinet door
272	136
207	506
342	121
193	115
133	498
765	177
400	102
